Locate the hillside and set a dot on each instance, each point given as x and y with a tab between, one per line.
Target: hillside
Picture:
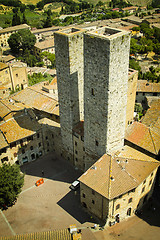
133	2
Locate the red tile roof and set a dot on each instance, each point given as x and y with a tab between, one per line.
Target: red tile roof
107	175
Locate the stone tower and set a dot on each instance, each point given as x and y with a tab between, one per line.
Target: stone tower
69	66
106	62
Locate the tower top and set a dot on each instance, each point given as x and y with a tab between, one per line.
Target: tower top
70	31
108	33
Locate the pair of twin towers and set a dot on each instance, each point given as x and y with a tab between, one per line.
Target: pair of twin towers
92	78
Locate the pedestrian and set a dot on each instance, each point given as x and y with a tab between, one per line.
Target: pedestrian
42	173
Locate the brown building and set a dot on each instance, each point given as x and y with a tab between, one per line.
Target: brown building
24	138
115	186
6	33
13	76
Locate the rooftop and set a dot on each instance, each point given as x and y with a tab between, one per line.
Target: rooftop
144	137
107	175
145	86
70	31
45	44
49	235
3	66
14	28
18	128
36	31
79	128
38	100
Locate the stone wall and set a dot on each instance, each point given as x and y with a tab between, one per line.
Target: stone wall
106	60
69	66
131	95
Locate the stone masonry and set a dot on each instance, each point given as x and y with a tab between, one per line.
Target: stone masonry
69	66
106	61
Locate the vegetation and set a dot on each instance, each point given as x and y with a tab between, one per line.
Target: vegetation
139	109
11	182
38	77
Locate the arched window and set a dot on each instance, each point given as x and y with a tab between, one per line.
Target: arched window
130	200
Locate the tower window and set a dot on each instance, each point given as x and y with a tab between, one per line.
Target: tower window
97	143
93	201
84	195
75	143
92	92
150	182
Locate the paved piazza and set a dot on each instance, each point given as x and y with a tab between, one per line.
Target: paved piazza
53	205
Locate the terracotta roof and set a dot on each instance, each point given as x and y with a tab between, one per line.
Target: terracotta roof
144	137
8	105
36	31
3	142
129	8
19	128
14	28
115	174
3	66
45	44
37	100
50	235
8	58
145	86
79	128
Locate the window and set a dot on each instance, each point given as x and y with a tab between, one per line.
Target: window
96	143
136	93
52	135
93	201
33	156
143	189
76	152
76	159
3	92
118	206
29	138
16	74
37	135
151	174
39	144
46	137
150	182
93	192
31	147
15	154
143	94
144	181
84	195
130	200
75	143
92	92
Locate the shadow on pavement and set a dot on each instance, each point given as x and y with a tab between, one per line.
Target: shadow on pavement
51	167
71	204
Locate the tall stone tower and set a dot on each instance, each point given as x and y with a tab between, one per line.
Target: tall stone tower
106	62
69	66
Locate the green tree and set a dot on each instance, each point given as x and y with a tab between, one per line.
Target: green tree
11	182
14	42
25	40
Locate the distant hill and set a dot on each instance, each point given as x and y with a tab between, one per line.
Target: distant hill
133	2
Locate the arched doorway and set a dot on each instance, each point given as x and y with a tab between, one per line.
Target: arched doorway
129	212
